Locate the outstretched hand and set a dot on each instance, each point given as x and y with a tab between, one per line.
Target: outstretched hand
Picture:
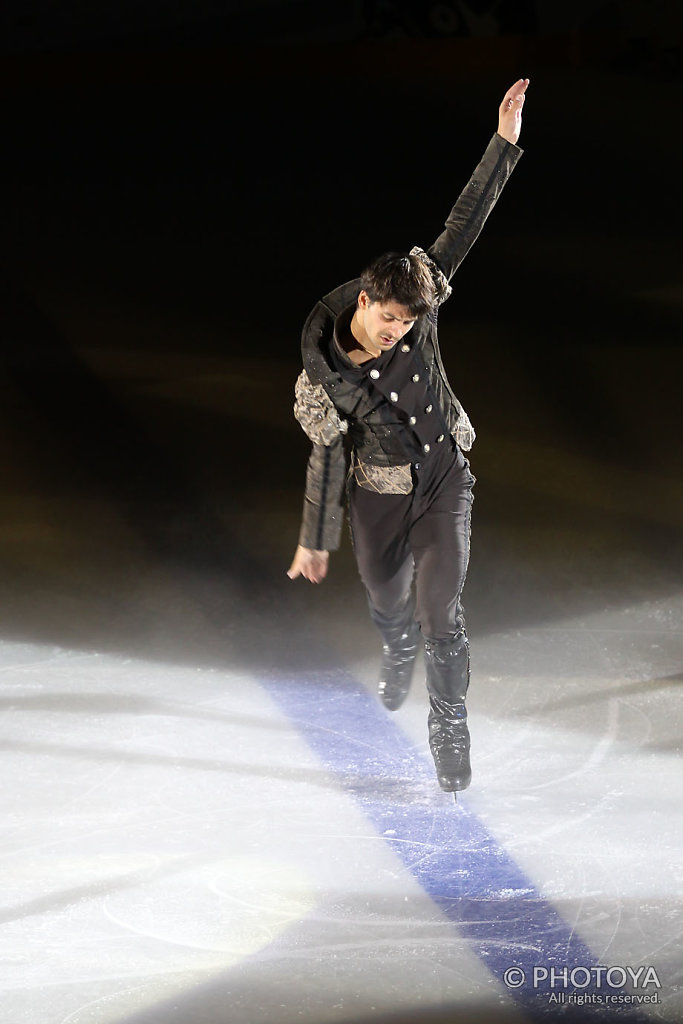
510	111
310	564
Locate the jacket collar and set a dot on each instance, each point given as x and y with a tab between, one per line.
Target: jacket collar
319	334
345	295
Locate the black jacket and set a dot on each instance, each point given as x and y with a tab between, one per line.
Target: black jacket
330	405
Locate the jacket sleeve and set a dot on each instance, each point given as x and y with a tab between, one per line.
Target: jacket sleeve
323	510
474	204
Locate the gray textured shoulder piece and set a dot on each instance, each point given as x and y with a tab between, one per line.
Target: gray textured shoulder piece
314	410
441	285
464	431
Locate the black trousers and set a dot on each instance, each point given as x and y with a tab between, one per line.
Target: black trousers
424	535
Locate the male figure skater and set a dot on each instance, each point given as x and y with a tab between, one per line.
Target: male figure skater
374	386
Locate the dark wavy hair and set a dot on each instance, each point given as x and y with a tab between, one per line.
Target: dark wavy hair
402	278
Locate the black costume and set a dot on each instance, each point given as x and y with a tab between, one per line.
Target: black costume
409	485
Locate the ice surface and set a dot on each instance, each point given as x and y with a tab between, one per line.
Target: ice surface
175	848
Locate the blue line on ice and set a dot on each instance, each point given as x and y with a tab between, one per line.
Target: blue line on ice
447	848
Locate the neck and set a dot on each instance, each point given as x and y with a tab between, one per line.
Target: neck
361	337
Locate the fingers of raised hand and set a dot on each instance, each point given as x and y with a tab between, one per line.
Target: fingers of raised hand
514	97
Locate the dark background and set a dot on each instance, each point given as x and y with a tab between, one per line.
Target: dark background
181	183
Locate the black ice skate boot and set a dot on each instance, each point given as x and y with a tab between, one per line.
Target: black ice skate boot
401	640
447	665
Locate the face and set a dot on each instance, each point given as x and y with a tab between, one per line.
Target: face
384	323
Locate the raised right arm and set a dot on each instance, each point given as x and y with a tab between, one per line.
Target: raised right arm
477	199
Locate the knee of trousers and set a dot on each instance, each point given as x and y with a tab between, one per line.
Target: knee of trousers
402	612
440	618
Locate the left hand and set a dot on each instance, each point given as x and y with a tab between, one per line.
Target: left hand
310	564
510	111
